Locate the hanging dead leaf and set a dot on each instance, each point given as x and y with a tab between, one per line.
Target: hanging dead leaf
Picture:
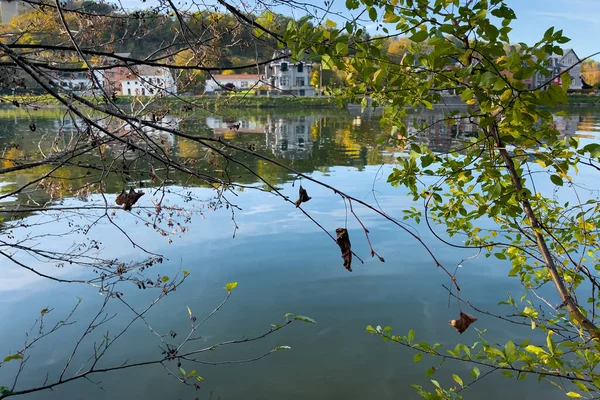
128	199
343	240
463	323
152	173
303	197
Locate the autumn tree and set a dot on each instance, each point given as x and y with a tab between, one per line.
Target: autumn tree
590	72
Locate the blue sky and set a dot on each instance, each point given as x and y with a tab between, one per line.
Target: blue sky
580	20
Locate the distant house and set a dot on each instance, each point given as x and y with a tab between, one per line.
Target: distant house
147	80
233	81
79	81
288	77
557	64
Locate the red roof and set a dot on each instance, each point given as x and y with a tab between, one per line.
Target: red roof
235	77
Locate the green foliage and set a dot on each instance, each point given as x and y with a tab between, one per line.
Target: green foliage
300	318
486	195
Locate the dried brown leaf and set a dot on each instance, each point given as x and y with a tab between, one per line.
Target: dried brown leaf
463	322
128	199
343	240
303	196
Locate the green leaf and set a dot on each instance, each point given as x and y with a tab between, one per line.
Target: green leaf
535	350
429	372
327	61
557	180
411	336
418	357
457	379
182	371
574	395
199	378
475	373
186	272
372	14
352	4
44	311
281	348
419	36
13	357
341	49
164	278
510	351
230	286
304	319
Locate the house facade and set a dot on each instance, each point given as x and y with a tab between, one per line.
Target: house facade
288	77
233	81
147	80
557	64
80	81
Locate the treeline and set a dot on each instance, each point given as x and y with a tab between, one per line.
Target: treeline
212	38
590	71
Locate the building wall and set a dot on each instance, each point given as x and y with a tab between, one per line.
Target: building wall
285	76
240	83
161	82
9	10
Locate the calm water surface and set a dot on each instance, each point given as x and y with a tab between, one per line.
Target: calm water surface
283	263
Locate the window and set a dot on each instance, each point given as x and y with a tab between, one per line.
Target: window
300	67
143	91
302	92
284	67
129	92
150	80
243	84
299	81
284	81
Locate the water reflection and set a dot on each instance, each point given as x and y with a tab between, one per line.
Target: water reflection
282	266
290	138
309	142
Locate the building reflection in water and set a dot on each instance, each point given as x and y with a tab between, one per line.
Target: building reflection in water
228	126
289	137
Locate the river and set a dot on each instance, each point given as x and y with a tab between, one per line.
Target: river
282	262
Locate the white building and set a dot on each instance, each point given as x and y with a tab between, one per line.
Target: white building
149	81
79	81
9	10
288	77
233	82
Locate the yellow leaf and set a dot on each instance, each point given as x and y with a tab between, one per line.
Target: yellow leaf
230	286
574	395
471	101
330	24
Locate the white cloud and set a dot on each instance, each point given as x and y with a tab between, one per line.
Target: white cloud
582	17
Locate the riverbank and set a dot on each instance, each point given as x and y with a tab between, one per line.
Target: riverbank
215	103
184	102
